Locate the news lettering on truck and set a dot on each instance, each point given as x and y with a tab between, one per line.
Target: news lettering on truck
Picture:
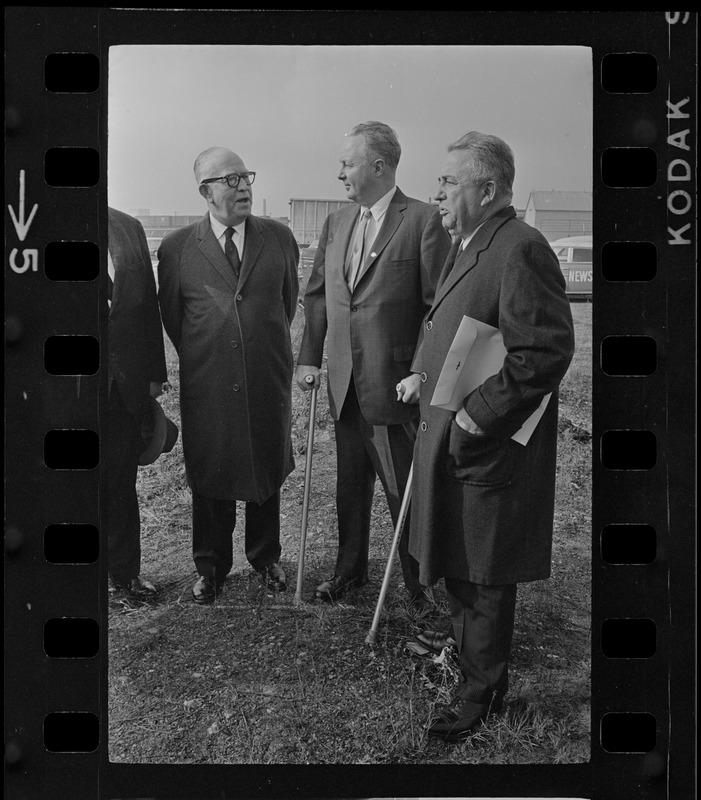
575	256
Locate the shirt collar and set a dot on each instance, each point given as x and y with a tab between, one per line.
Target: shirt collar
468	239
499	209
218	228
381	206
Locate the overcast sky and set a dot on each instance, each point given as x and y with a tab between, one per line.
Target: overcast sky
285	110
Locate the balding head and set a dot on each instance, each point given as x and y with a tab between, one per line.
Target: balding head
209	160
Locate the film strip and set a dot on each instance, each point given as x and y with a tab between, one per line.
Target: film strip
643	535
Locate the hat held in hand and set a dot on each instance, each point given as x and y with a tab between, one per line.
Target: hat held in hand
158	433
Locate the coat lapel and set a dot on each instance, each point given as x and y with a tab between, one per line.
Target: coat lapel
469	257
211	250
253	244
394	216
341	239
117	240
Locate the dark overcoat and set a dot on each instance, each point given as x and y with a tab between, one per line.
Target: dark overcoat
482	505
371	333
135	351
233	340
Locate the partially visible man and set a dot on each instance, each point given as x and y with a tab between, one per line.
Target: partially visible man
136	371
373	279
483	504
228	292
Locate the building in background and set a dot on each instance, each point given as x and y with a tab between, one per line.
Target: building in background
559	214
156	227
307	217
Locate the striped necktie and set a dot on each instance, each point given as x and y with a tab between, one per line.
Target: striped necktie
231	251
357	250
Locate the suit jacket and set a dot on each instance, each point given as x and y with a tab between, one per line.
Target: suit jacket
233	340
372	332
494	496
135	350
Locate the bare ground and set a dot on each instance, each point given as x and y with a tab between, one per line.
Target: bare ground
257	679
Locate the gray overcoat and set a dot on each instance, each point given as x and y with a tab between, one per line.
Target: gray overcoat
482	506
233	340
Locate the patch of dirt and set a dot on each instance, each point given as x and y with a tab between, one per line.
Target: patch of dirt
256	679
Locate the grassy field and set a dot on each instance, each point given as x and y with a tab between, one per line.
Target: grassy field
256	679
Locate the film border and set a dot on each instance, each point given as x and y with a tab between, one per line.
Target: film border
37	403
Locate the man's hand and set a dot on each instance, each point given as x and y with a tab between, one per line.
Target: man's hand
303	372
409	389
155	389
465	421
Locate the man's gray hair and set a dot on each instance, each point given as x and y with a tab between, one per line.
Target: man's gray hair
492	160
380	142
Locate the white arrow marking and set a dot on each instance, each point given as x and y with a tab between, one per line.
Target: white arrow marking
21	226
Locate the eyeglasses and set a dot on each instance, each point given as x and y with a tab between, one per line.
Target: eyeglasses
233	180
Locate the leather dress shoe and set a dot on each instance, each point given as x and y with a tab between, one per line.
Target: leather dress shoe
460	718
136	588
205	591
275	578
334	588
435	641
421	603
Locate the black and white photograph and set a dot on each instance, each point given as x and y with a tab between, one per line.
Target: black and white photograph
329	543
350	364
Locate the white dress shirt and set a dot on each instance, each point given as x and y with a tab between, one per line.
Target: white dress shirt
219	230
467	239
375	222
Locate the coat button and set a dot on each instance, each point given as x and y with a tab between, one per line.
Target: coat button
354	308
237	388
234	344
424	377
424	426
239	297
429	325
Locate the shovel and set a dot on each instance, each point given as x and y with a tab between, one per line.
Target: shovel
307	486
372	634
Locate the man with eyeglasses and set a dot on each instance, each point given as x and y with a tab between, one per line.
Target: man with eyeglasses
373	279
228	291
483	504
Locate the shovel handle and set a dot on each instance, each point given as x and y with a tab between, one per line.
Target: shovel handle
307	486
372	633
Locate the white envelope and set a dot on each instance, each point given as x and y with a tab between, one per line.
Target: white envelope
476	353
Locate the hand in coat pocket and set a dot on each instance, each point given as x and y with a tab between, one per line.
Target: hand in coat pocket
479	459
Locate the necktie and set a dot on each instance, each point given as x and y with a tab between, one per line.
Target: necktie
357	250
455	251
453	255
231	251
